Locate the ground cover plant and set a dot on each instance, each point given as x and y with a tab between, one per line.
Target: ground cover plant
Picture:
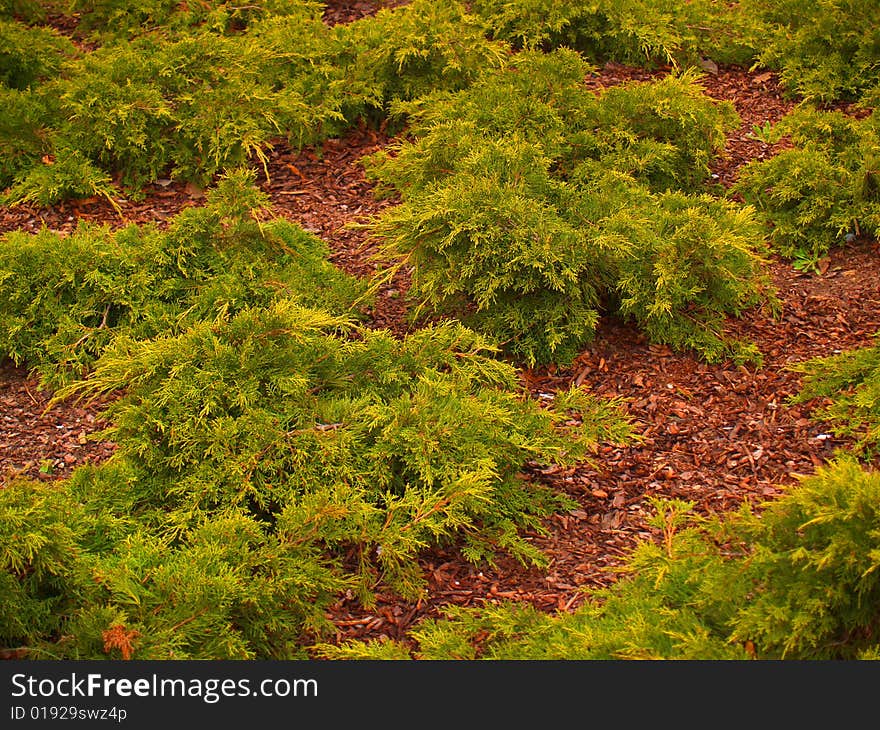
634	32
111	19
846	390
826	51
421	47
528	229
288	471
278	433
187	105
825	191
64	298
249	419
30	54
796	581
23	139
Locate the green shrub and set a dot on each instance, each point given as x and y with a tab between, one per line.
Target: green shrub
190	104
420	47
489	246
87	583
529	206
396	445
664	132
825	188
538	97
29	55
635	32
44	567
534	267
123	19
682	264
301	55
114	19
797	580
848	386
65	297
25	10
66	174
267	464
115	112
24	136
725	32
815	575
826	51
191	107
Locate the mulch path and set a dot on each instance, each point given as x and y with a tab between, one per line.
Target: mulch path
713	434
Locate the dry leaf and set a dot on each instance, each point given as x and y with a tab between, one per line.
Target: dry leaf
116	637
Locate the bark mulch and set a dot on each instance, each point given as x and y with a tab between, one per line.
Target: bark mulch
716	435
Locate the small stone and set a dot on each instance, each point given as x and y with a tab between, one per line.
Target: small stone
707	64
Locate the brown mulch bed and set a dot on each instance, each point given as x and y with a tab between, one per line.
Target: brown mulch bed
40	442
713	434
338	12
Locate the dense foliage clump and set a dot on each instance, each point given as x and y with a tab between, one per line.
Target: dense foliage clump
267	463
194	106
29	55
824	190
530	205
272	454
23	132
115	19
825	50
187	97
637	32
278	404
81	579
63	298
797	580
26	10
420	47
847	386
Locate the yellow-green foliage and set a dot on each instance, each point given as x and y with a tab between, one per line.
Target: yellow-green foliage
25	10
848	385
184	98
77	570
188	104
266	464
824	189
639	32
116	19
63	298
826	50
420	47
23	133
63	175
403	443
193	106
798	580
29	55
530	205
